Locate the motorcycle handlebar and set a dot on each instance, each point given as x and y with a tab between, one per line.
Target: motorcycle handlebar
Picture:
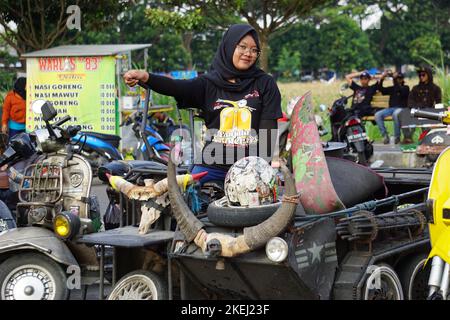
73	130
61	121
426	114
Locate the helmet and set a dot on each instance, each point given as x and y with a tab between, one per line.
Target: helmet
250	182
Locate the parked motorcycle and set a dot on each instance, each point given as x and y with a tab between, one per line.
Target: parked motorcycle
55	206
98	148
151	144
439	204
347	127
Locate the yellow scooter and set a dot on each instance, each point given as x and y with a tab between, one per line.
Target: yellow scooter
439	201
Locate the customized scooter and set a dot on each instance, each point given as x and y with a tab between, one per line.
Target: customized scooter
55	207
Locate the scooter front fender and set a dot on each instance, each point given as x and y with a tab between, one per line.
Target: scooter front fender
441	245
37	239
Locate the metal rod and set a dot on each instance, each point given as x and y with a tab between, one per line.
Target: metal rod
114	267
372	203
102	273
133	212
445	281
121	210
434	280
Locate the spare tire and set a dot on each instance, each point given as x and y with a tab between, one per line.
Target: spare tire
221	214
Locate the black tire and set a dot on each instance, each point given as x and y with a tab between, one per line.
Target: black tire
368	150
414	277
140	285
390	285
225	216
362	160
47	279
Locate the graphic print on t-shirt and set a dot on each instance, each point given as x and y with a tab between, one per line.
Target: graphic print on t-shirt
360	95
235	123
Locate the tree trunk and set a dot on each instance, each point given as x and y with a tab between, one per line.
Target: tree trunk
187	40
265	51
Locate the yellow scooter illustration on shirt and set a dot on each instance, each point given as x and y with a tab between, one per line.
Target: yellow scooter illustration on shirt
439	200
235	123
237	117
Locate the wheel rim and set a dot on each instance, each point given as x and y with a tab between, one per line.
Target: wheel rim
383	284
29	282
418	283
135	287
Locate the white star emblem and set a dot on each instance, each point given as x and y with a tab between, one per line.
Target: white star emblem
315	250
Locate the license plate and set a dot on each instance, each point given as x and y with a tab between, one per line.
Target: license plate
357	137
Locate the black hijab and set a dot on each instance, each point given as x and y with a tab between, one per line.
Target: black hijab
222	67
19	87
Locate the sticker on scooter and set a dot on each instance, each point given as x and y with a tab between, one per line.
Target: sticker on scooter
437	140
317	253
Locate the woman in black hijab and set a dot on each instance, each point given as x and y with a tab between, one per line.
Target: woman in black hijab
240	102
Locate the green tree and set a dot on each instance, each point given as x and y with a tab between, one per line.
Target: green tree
268	17
302	37
183	23
289	62
402	22
40	24
165	54
426	47
344	46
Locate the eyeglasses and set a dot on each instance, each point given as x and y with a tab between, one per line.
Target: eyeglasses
422	75
243	49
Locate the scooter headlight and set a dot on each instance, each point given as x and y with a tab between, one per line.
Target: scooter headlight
66	225
276	249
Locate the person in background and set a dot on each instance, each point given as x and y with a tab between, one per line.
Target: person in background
363	93
398	100
423	95
14	109
426	93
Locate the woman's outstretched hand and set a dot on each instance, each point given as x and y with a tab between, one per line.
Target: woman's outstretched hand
132	77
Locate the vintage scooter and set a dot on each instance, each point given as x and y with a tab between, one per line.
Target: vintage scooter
55	206
439	203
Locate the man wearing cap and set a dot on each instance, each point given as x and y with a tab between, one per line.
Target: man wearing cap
398	100
423	95
363	93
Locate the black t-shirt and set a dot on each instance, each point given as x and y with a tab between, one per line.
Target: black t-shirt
362	97
235	116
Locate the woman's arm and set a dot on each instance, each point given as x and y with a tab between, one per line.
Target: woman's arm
188	92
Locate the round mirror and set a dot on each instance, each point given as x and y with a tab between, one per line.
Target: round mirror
37	105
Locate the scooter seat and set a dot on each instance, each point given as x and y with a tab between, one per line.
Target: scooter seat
355	183
111	138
